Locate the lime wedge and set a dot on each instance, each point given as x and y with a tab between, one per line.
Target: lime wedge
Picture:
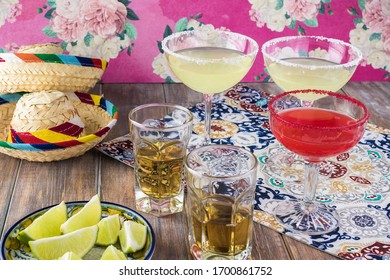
132	237
112	253
108	230
89	215
80	242
46	225
70	256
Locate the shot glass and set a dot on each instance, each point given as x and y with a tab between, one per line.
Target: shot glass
160	134
221	182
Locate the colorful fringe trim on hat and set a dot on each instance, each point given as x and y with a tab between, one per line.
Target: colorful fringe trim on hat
53	58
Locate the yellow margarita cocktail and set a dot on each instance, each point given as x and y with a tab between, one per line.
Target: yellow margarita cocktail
210	77
310	62
209	62
301	77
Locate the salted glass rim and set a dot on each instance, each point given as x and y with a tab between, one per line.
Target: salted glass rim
176	35
361	121
252	168
167	105
352	63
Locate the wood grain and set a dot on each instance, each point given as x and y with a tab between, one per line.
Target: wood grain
375	95
128	96
268	244
301	251
28	186
9	171
42	184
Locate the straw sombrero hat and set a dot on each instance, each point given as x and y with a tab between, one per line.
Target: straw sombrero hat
44	116
96	114
30	72
41	48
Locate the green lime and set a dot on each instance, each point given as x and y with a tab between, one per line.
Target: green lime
108	230
80	242
112	253
46	225
70	256
132	236
89	215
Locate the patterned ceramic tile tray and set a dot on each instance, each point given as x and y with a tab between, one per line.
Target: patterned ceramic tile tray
356	183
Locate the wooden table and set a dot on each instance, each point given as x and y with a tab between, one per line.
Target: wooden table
28	186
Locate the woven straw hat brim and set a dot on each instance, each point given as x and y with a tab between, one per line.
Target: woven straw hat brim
22	72
52	48
98	115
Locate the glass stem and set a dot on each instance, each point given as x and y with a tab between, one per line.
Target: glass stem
207	118
311	179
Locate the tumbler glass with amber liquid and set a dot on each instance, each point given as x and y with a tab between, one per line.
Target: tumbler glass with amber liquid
160	135
221	182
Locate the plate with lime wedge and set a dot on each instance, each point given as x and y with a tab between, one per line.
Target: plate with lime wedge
86	230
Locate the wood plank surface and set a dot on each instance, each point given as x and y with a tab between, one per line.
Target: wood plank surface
42	184
128	96
9	171
27	186
376	97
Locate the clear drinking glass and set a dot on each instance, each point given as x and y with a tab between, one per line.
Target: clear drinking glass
221	182
307	62
209	62
330	125
160	134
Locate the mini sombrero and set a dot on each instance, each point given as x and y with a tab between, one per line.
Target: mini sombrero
31	72
44	117
41	48
97	114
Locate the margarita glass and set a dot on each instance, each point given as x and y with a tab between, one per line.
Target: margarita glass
209	62
310	62
331	124
307	62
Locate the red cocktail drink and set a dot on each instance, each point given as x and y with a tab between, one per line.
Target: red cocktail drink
315	133
330	124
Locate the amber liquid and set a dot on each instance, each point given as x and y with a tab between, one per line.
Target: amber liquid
219	227
159	168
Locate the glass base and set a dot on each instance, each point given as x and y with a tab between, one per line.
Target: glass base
198	254
159	207
310	218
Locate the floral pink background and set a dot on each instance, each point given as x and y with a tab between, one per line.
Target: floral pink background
127	33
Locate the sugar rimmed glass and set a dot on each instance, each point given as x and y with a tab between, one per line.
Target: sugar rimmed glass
332	124
306	62
209	62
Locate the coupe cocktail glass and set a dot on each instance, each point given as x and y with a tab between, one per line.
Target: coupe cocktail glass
329	125
209	62
310	62
307	62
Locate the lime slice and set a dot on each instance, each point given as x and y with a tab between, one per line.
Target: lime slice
108	230
70	256
80	242
112	253
132	236
46	225
89	215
